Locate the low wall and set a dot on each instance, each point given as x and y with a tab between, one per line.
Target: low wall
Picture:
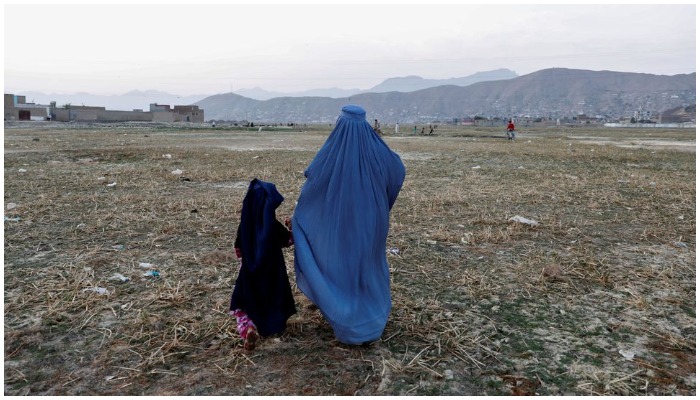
121	116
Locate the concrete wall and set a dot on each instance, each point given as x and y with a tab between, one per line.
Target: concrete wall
60	114
84	113
164	116
98	114
121	116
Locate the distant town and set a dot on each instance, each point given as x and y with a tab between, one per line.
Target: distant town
17	109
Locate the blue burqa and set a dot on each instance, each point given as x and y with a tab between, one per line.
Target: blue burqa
340	226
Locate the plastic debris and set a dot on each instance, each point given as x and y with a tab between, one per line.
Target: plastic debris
680	244
10	206
22	170
431	241
120	277
98	290
628	354
118	247
393	250
15	219
524	220
112	184
167	156
177	172
477	167
152	273
145	265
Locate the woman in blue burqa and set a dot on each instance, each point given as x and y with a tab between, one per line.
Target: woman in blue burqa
340	227
262	298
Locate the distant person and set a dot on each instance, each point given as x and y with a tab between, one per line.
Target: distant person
422	131
340	227
415	128
431	130
377	128
510	130
396	128
262	298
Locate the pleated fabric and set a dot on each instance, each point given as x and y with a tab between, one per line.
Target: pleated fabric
340	226
262	288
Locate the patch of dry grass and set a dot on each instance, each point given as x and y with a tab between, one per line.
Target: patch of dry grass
597	298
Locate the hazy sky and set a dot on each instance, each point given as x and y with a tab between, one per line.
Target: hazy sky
203	50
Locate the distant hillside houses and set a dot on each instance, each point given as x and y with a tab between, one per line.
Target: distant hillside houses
17	109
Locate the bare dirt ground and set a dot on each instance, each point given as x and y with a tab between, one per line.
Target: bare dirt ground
596	296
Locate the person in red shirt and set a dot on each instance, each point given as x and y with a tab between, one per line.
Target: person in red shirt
510	130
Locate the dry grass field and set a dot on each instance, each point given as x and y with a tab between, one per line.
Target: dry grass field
597	298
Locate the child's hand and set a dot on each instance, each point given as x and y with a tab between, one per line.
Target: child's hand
288	223
238	252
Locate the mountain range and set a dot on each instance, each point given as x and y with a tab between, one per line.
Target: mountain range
398	84
136	99
549	93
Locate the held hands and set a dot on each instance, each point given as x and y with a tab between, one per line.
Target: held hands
288	224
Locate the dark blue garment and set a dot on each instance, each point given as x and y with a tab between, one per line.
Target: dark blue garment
262	288
340	227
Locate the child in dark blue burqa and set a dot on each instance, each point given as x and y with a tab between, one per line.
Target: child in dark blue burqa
262	298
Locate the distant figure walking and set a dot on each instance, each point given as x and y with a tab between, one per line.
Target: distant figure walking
396	128
510	130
